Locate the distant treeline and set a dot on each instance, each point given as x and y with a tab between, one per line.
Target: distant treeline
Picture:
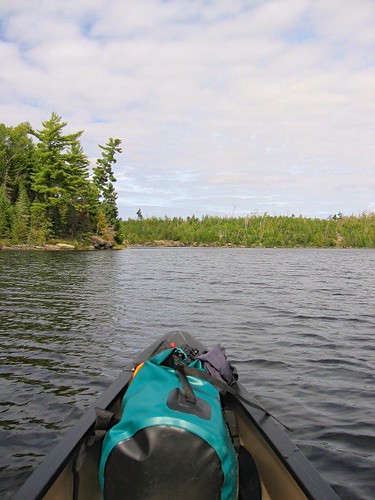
46	191
254	231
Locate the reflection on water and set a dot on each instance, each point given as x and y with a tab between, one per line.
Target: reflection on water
298	323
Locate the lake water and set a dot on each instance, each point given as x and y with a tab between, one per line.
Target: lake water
299	324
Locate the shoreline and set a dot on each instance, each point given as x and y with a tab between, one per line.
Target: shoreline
177	244
68	247
58	247
55	247
95	242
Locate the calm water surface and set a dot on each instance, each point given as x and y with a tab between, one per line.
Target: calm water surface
299	324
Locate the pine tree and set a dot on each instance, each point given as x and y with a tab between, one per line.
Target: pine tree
17	158
60	179
104	178
77	197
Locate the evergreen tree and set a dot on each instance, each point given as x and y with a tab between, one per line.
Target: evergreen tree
104	178
45	188
60	179
20	219
17	158
77	198
40	225
102	226
3	154
5	207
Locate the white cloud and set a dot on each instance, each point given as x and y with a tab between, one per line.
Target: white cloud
217	102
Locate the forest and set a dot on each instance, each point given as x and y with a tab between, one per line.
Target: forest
46	191
254	231
48	194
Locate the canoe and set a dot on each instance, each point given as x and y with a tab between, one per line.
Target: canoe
283	471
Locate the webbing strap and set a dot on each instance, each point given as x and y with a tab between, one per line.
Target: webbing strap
194	372
104	421
186	387
230	420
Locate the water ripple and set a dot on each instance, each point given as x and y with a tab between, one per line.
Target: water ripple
298	324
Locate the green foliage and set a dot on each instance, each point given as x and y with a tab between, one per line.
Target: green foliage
120	233
40	225
46	192
104	179
17	158
5	209
102	226
20	218
45	188
255	231
60	179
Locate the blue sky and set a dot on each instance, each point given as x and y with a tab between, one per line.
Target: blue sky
224	107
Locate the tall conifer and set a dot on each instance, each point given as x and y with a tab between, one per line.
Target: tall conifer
60	179
104	179
17	156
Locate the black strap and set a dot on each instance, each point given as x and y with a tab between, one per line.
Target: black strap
186	387
104	421
230	420
195	372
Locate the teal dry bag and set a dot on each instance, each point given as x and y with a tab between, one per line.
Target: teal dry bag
172	440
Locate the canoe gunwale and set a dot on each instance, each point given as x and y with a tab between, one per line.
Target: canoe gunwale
301	469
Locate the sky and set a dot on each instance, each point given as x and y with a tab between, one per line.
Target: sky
224	107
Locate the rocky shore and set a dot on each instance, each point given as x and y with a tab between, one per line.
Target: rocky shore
95	243
58	246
